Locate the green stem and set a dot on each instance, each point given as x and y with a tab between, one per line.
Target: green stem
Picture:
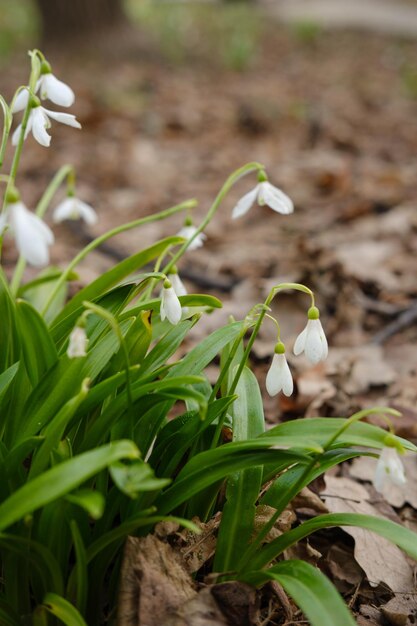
112	233
42	206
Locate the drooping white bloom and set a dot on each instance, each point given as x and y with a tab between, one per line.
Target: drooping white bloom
78	342
312	340
279	376
265	194
389	468
55	90
177	284
50	88
73	209
170	305
33	237
39	121
188	231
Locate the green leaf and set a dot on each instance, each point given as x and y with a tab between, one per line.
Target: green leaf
320	429
63	610
310	589
133	478
208	467
62	479
54	431
7	377
243	487
114	276
402	537
80	570
91	501
38	349
9	341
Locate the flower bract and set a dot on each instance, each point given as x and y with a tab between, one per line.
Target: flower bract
39	121
78	343
33	237
279	376
73	209
265	194
170	305
389	468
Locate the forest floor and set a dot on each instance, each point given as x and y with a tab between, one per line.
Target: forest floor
333	116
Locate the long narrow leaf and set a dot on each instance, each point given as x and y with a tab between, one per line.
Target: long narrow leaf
310	589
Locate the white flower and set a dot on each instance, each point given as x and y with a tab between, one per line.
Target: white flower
50	88
78	343
279	376
170	305
312	340
72	209
39	122
55	90
264	193
177	284
389	468
32	235
187	232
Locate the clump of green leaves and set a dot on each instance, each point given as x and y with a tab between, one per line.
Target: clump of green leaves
104	440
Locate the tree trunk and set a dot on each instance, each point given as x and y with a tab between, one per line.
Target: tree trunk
73	19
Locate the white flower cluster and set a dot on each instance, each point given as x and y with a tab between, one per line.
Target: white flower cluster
312	341
32	236
49	87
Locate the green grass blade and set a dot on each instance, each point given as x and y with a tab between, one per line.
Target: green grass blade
399	535
63	610
243	487
310	589
62	479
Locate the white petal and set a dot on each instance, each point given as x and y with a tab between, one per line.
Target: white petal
187	232
72	209
389	469
21	101
40	123
170	306
314	347
274	198
16	134
78	343
3	222
32	235
56	90
177	285
300	342
245	203
63	118
324	342
279	376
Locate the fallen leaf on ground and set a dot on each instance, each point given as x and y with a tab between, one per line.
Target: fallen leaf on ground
382	561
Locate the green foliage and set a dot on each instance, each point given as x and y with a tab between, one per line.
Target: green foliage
107	442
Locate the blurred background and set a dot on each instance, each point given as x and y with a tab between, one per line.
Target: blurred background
173	96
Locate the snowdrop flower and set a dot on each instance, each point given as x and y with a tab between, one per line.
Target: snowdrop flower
33	237
39	121
78	343
170	305
279	376
176	282
312	340
50	88
264	193
389	468
188	231
73	209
